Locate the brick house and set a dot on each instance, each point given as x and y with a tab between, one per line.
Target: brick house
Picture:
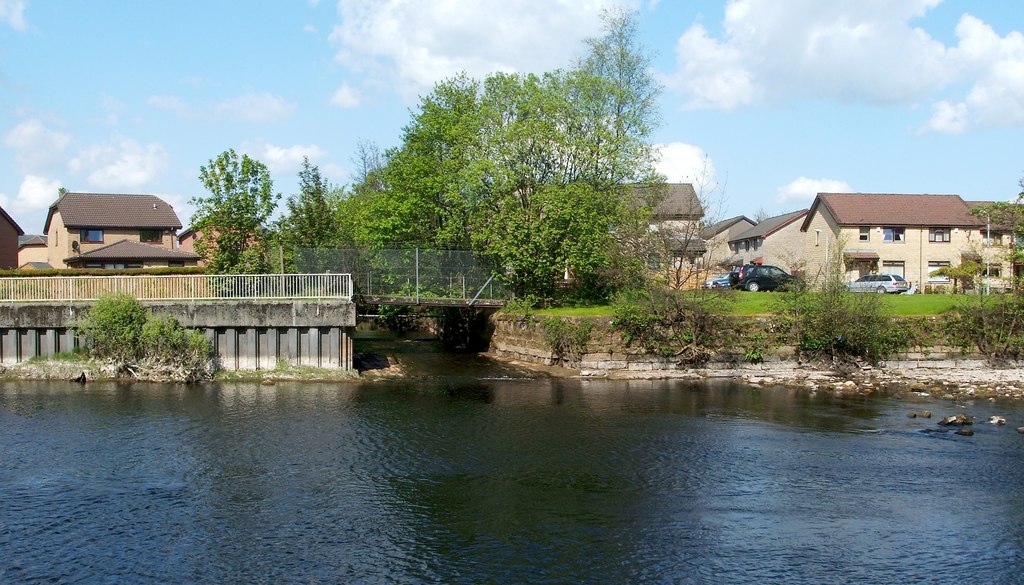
32	252
10	231
905	234
775	241
716	240
112	231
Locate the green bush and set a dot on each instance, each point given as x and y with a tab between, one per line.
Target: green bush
114	328
992	324
841	326
567	339
688	325
121	331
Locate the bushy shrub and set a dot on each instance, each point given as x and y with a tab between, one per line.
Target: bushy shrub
992	324
686	324
567	339
121	331
835	324
114	327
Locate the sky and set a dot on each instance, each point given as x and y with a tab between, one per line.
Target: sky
764	102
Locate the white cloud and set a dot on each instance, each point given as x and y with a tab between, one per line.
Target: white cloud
34	195
685	163
282	159
803	190
416	44
996	65
13	13
846	51
124	164
949	118
36	148
256	107
170	103
345	97
309	28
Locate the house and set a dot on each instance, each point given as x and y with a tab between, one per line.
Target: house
676	215
716	240
776	241
10	231
113	231
32	252
187	243
905	234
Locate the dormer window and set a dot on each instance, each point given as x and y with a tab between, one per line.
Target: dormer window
92	236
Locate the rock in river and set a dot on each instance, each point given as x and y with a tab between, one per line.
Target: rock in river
956	419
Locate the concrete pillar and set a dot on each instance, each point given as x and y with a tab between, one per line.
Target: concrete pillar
8	346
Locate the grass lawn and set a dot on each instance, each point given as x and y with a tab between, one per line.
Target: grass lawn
764	303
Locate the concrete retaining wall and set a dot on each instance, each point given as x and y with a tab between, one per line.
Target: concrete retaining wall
244	335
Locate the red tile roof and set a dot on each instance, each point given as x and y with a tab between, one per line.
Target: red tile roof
881	209
102	210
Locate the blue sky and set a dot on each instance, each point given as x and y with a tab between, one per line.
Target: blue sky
781	98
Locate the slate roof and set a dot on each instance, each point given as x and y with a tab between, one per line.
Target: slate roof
881	209
769	226
718	227
132	250
680	201
31	240
104	210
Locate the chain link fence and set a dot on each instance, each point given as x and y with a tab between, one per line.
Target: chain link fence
416	274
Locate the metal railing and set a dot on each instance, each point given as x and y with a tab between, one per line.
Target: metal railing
177	287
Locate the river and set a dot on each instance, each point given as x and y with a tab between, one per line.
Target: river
478	479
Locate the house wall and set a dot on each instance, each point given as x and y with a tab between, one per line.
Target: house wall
8	245
785	247
61	237
719	253
33	253
914	252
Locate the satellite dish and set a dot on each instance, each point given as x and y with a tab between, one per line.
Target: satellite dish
74	245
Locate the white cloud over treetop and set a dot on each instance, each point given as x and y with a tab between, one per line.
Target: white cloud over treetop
685	163
868	51
256	107
803	190
282	159
416	44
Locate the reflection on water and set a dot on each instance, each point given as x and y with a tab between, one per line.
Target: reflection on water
470	480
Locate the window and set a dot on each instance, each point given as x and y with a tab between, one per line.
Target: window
938	235
994	270
176	263
92	235
896	268
151	236
892	234
937	265
746	245
865	234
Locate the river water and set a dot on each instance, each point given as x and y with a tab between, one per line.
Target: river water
472	479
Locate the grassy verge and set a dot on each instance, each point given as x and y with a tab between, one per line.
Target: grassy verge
746	304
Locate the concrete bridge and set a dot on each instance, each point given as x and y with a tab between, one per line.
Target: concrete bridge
253	322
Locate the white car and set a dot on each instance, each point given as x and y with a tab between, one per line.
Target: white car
880	283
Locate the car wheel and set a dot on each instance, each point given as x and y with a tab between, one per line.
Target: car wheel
752	286
880	290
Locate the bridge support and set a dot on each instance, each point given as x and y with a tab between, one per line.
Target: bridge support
245	335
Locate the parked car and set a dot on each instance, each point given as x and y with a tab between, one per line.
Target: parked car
754	277
880	283
721	281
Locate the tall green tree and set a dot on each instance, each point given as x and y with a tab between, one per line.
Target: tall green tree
530	170
310	224
232	219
